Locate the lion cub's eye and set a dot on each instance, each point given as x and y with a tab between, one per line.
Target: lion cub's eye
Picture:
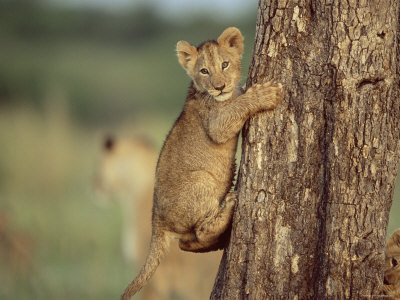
225	64
204	71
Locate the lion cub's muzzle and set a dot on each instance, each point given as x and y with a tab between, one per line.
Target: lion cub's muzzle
220	88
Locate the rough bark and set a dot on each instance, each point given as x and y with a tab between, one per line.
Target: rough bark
317	175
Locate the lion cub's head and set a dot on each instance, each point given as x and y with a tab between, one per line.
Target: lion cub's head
392	265
214	66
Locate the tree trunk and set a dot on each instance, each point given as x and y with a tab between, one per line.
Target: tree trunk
317	175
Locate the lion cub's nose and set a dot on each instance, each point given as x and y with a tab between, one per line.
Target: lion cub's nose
220	88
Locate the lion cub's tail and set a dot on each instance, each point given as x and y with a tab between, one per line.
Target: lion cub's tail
158	247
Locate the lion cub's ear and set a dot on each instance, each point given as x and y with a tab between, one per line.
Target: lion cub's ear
232	39
393	244
187	55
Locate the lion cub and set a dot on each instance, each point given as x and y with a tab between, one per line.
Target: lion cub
391	282
192	198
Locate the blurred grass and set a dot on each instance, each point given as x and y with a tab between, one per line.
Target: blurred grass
46	195
47	166
66	77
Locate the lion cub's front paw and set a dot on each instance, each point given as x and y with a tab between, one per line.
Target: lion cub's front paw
269	94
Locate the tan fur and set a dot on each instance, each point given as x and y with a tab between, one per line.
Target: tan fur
192	199
125	172
391	285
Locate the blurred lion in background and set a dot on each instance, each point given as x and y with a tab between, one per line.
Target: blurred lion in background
125	172
391	283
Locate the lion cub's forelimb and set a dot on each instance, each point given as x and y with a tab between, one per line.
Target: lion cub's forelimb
226	121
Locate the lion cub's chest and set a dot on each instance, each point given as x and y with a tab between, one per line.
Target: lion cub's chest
189	148
209	153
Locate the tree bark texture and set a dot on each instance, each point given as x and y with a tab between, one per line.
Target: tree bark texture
317	175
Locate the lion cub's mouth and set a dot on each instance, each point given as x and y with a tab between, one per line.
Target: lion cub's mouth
223	96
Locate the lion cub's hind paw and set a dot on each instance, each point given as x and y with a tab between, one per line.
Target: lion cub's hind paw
229	201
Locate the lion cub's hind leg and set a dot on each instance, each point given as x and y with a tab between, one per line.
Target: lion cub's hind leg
207	233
